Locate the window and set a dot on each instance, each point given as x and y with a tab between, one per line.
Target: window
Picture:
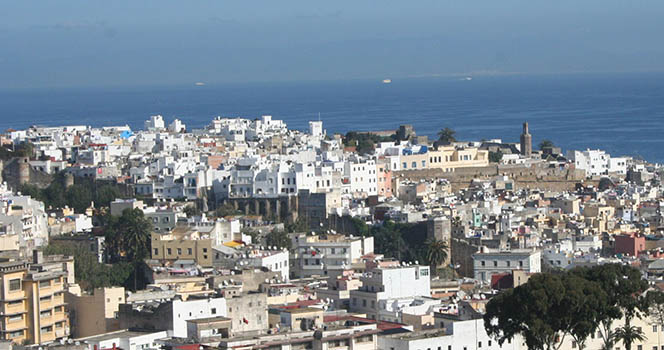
520	263
364	303
156	251
495	263
16	334
654	328
509	263
15	284
213	310
414	164
204	250
482	263
15	318
169	251
479	344
179	251
189	251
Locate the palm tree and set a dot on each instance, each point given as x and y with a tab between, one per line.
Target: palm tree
446	136
629	334
545	144
436	254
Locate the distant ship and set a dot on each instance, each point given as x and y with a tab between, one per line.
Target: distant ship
467	78
199	84
387	81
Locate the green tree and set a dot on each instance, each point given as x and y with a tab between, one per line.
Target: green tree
545	144
584	302
656	309
105	194
436	253
191	210
226	209
628	334
90	273
299	225
546	309
495	157
79	198
127	239
54	195
279	239
360	226
446	136
624	288
530	310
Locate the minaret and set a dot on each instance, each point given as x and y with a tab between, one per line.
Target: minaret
526	141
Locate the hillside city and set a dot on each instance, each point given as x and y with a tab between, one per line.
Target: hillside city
246	234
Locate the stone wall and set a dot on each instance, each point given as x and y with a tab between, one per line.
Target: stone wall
539	175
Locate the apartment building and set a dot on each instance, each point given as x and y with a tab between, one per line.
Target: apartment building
318	255
487	263
387	290
182	244
32	303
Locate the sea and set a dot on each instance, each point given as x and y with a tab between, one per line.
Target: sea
622	114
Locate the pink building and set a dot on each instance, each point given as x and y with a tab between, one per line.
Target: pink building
631	244
383	179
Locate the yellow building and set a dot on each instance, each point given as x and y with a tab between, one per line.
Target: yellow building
32	303
13	302
95	313
447	158
182	244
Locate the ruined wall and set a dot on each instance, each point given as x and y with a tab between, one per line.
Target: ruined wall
534	176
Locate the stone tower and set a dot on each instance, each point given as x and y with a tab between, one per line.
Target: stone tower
526	141
23	170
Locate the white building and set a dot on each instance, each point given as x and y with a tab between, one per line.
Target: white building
318	255
597	162
193	310
466	335
124	339
386	291
156	122
487	263
273	260
177	126
25	217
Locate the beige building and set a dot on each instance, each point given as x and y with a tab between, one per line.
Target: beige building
32	303
447	158
182	244
96	313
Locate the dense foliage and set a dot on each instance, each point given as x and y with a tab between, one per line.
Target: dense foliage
551	306
365	143
23	150
89	272
127	240
78	196
404	242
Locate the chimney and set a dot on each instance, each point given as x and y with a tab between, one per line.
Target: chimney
37	256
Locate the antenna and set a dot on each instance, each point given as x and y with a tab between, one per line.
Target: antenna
318	116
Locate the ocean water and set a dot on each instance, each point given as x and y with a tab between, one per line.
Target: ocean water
620	113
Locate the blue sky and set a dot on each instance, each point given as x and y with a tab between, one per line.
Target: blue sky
116	43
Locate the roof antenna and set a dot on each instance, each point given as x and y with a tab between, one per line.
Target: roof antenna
318	116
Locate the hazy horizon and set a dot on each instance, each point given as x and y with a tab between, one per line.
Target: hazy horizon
94	43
